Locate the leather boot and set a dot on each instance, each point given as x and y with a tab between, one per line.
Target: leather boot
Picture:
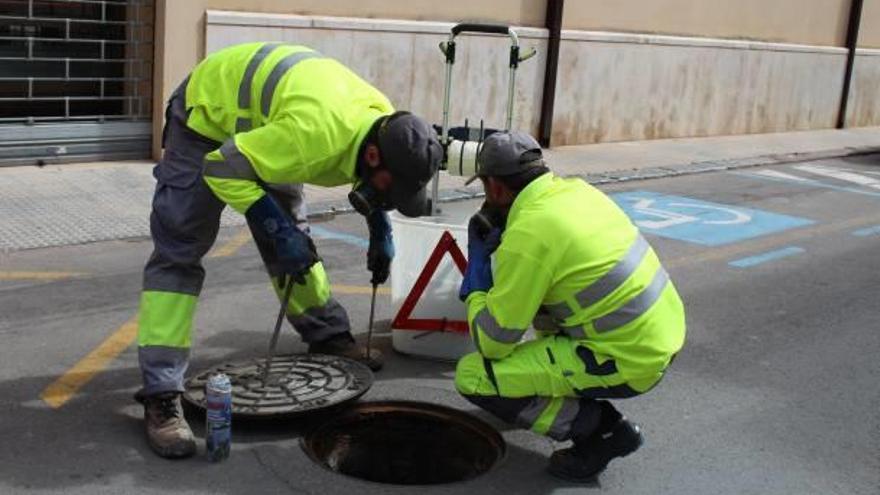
167	431
588	457
343	345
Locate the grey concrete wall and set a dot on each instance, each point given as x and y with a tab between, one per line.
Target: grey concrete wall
665	85
403	60
181	27
611	86
863	108
616	87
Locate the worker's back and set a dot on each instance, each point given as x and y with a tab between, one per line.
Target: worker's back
607	287
262	81
323	107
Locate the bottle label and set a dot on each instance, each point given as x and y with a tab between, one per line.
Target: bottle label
218	424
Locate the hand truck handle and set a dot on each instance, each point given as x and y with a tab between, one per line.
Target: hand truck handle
479	28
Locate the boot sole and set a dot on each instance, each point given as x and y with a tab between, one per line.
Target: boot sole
592	478
180	450
373	365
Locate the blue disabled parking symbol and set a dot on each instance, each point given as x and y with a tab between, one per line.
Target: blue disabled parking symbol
701	222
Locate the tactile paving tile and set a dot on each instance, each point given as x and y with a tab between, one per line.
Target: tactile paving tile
57	207
61	205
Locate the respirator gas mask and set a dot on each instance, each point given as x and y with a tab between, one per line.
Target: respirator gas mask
365	199
490	217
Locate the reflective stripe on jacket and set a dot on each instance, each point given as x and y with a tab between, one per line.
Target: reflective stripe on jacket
284	113
571	261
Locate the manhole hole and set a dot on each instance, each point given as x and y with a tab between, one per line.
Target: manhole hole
405	443
296	384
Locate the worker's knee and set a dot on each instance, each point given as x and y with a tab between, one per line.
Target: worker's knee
469	374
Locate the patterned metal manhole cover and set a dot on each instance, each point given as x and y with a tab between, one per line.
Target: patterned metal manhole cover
296	384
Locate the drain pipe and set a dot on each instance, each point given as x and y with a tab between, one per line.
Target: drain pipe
852	43
553	22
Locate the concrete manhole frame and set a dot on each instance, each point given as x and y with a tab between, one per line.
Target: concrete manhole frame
325	445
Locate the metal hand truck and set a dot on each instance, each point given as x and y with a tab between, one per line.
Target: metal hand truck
462	144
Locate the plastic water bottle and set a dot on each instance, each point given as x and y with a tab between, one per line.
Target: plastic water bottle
218	428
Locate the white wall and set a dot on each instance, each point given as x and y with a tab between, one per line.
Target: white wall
864	93
615	87
610	86
403	60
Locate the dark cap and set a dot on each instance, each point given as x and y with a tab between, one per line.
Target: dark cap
508	153
412	153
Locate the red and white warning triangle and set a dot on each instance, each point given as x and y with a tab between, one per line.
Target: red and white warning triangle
404	319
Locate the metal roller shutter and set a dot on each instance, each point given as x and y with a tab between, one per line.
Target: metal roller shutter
75	80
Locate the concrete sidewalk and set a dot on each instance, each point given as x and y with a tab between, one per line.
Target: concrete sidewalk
60	205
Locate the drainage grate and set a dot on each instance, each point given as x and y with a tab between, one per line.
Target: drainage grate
296	384
405	443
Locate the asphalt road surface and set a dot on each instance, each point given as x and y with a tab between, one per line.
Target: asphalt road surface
776	391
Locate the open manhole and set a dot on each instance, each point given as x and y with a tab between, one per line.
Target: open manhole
295	385
405	443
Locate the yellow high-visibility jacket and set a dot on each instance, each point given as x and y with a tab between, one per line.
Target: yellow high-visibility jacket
284	113
572	258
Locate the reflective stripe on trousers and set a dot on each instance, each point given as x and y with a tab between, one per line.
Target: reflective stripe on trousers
533	387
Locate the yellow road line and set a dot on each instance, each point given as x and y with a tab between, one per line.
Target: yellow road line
67	385
63	389
10	275
232	245
358	289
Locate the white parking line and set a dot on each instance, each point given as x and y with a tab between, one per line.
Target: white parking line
838	174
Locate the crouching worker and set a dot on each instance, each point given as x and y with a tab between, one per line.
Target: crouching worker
569	262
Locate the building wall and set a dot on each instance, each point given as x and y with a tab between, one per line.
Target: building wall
864	98
869	31
811	22
621	87
617	79
403	60
181	36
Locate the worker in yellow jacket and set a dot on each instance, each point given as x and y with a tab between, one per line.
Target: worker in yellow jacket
250	125
569	263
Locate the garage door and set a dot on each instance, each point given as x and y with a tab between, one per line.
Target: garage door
75	80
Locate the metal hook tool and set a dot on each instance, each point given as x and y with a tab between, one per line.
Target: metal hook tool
372	313
284	302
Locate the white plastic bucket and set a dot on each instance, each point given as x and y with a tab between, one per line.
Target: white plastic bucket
415	240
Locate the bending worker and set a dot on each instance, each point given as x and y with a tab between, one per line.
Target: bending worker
250	125
571	264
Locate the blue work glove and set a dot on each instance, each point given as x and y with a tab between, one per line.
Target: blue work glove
481	245
295	250
381	250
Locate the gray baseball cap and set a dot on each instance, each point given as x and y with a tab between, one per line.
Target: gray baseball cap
412	152
507	153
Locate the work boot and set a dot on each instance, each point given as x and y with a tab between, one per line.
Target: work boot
343	345
167	431
587	458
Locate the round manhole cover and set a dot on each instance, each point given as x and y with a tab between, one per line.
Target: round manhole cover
296	384
405	443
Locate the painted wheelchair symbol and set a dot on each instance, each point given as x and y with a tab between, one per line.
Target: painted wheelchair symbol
670	214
